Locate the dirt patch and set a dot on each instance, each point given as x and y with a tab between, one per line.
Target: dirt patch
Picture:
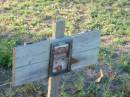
110	41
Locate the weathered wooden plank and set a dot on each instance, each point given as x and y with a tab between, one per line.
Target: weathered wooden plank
60	28
31	72
54	86
85	49
14	67
85	58
86	41
54	81
33	53
31	61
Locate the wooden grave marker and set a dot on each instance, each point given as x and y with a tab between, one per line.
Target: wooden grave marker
30	62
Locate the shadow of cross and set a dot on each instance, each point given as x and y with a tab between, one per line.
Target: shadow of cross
30	62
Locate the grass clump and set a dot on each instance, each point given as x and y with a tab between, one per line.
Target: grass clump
6	52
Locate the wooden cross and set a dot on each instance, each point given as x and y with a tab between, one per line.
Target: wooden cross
30	62
54	82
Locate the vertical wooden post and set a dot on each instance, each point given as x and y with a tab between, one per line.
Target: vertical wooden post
54	82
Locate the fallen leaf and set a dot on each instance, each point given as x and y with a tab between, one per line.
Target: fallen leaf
100	74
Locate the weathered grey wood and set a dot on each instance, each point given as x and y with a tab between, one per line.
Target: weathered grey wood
14	66
53	86
59	31
31	61
86	58
37	52
54	82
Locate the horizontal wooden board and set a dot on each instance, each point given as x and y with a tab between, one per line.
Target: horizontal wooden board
30	62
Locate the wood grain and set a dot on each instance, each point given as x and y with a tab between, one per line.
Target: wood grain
31	62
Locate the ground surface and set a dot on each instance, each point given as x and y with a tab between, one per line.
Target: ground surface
23	21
